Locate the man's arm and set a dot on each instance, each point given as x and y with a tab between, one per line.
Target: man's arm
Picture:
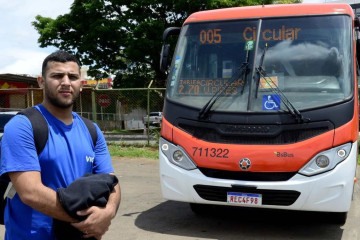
114	200
39	197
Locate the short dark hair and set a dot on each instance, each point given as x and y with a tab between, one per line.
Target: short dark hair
58	56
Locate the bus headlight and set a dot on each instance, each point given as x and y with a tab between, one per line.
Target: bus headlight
322	161
326	160
176	155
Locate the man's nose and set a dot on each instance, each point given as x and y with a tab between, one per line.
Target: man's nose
65	80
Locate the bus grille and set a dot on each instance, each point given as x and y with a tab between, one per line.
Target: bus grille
247	176
269	197
254	134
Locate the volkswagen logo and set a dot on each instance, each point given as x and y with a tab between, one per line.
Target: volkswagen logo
245	164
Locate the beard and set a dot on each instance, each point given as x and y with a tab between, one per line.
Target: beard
58	102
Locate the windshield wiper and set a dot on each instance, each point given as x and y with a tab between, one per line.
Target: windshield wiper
242	71
290	107
260	70
275	89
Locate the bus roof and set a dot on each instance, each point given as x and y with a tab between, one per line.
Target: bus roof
264	11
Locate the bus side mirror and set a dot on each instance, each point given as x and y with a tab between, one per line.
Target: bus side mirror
356	22
358	56
358	52
164	57
357	33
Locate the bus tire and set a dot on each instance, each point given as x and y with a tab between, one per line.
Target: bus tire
199	209
339	217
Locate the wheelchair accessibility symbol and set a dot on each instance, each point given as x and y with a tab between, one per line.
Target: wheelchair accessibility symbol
271	102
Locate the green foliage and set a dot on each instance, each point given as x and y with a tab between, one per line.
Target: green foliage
155	133
134	151
122	37
288	1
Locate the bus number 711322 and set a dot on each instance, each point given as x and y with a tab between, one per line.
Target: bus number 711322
211	152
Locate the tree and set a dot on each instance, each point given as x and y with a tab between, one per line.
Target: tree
122	37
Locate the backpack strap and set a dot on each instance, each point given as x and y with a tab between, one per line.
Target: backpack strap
41	133
38	123
92	129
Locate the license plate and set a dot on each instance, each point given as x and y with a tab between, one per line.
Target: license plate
244	198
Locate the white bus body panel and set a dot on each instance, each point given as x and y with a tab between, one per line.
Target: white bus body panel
327	192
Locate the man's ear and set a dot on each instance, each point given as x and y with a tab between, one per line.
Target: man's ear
40	81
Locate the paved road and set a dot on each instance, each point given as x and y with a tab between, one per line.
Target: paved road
144	215
130	139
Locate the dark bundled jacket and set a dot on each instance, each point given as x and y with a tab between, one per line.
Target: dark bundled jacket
89	190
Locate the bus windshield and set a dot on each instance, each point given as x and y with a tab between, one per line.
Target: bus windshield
246	64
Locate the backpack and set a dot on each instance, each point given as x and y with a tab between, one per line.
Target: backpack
41	134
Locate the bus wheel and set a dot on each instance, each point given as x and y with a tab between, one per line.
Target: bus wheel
199	209
339	217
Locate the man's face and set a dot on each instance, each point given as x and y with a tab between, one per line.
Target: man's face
61	83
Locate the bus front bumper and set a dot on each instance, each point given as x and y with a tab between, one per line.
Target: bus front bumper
327	192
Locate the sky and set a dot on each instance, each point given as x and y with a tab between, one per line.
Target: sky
19	50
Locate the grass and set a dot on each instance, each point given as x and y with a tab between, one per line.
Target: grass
134	151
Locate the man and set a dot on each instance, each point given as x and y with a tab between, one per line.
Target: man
68	155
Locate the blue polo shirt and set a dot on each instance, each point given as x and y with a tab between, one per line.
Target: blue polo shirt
69	154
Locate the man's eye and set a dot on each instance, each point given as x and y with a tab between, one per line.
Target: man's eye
58	76
73	77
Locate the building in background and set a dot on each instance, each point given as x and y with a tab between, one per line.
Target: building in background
14	91
105	83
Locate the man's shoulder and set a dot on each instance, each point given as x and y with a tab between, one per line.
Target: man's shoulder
18	122
16	129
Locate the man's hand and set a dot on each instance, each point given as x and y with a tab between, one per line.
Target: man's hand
96	224
99	219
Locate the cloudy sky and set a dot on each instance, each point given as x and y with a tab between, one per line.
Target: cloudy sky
19	51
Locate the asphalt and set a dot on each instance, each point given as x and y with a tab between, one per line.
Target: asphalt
145	215
129	139
120	137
